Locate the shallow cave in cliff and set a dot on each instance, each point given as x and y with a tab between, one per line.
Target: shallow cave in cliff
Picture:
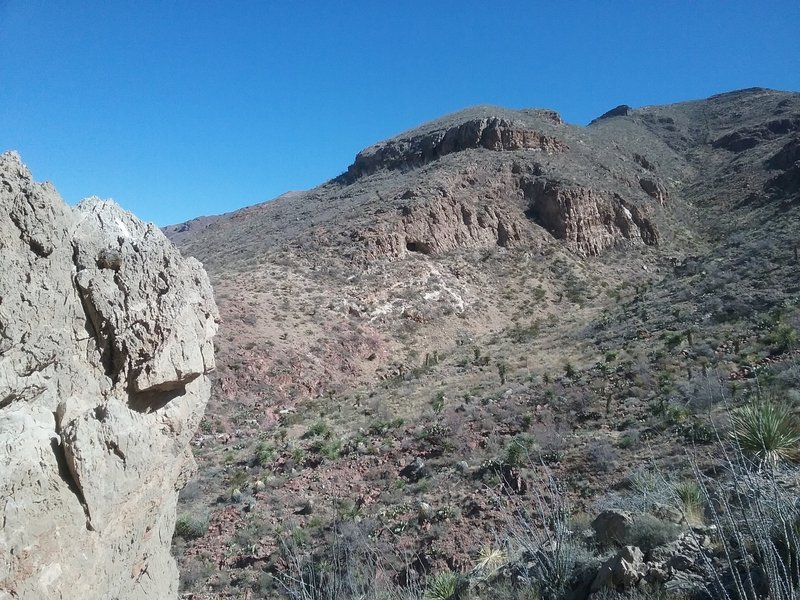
420	247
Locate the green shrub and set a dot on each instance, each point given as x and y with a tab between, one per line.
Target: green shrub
318	429
190	527
691	498
382	426
330	449
438	402
238	479
264	454
783	337
648	532
517	450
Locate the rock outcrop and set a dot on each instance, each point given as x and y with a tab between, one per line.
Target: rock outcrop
588	220
623	110
491	133
441	226
105	345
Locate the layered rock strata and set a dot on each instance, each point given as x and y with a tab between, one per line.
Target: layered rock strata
440	226
588	220
105	346
491	133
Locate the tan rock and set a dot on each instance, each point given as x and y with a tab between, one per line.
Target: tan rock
105	343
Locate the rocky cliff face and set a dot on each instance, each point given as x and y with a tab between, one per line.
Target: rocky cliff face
105	346
489	133
588	220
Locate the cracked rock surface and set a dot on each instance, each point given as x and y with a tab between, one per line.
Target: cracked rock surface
105	347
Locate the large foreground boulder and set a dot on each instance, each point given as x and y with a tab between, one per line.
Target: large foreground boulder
105	346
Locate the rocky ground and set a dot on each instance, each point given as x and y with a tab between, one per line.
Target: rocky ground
490	315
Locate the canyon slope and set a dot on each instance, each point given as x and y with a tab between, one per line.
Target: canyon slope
491	280
651	185
105	351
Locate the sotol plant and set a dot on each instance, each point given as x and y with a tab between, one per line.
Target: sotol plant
767	433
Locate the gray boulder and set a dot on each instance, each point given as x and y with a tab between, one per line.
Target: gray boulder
612	526
105	346
624	570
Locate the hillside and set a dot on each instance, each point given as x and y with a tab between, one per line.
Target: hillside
490	281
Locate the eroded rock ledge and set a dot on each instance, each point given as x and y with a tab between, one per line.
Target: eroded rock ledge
105	346
491	133
587	220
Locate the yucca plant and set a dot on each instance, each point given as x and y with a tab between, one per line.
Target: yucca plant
490	560
783	337
767	433
443	586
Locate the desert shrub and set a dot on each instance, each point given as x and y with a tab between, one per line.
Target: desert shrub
520	334
438	437
648	490
329	448
601	456
351	565
545	541
191	491
650	592
648	532
692	501
264	454
190	527
194	572
789	376
318	429
518	449
438	402
759	533
766	432
383	426
632	439
239	479
783	337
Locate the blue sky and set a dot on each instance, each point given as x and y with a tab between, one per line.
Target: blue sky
182	108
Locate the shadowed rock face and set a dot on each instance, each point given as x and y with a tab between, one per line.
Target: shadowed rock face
105	346
589	221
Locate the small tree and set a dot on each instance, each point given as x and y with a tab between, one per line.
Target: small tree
501	370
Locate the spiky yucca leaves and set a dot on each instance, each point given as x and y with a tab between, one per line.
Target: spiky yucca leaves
490	560
767	432
444	586
518	451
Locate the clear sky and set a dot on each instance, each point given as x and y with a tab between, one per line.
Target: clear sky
182	108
